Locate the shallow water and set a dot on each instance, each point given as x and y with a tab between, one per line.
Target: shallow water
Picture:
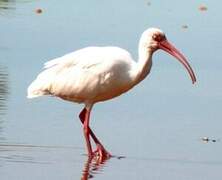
158	136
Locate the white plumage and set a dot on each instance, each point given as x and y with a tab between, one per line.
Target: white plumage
91	74
96	74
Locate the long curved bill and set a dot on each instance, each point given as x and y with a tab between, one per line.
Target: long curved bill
168	47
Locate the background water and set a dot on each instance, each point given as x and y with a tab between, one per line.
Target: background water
157	126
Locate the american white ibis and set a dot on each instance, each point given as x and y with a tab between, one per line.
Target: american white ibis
95	74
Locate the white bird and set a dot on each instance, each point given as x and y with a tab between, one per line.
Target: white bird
95	74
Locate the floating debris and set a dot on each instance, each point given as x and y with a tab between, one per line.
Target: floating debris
148	3
184	27
38	11
207	140
203	8
120	157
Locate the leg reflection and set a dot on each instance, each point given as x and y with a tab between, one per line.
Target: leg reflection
92	166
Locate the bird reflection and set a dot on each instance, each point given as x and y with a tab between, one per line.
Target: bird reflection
92	166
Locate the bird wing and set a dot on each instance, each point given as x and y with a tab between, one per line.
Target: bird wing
84	57
84	74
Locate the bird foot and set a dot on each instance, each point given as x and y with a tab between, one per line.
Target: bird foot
101	153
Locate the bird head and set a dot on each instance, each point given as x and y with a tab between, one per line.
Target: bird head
153	39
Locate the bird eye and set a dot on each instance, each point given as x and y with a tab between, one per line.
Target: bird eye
158	37
155	37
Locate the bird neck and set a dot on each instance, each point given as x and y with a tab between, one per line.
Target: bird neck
144	63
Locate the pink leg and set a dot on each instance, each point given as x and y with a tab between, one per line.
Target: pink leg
101	151
87	132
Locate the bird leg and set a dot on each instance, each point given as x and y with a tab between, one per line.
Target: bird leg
100	151
87	132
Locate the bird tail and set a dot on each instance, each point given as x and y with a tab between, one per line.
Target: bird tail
36	89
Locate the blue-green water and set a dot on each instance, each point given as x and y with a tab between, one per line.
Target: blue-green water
157	126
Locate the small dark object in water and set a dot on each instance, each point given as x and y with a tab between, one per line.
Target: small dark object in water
184	26
203	8
205	139
120	157
148	3
38	11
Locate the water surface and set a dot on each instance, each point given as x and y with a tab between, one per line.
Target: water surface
159	134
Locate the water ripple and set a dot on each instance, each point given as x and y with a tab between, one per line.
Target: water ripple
3	89
3	95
